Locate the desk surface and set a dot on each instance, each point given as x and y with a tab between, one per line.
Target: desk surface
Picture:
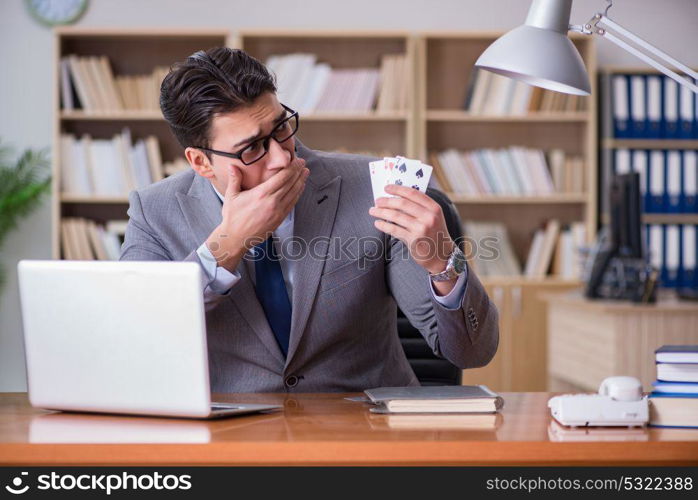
325	429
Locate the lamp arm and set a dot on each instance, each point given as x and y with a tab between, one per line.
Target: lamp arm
657	62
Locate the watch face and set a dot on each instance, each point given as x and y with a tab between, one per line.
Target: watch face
459	261
56	12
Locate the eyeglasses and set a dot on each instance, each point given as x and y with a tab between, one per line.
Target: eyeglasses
256	150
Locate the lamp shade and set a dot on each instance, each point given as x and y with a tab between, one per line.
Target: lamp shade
539	52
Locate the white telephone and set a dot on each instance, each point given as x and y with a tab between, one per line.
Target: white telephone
619	403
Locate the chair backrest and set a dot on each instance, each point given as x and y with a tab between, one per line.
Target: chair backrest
429	368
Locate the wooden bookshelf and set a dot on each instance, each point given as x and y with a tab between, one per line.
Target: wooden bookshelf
130	52
445	66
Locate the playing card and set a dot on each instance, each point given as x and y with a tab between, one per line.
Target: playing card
379	178
410	173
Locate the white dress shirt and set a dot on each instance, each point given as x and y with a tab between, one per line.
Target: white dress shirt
222	280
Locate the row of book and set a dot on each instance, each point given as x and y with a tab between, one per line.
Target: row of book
555	249
674	398
492	94
668	178
111	167
84	239
517	171
652	107
307	85
672	250
88	83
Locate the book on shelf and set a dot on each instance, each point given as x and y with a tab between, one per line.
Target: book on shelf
88	83
496	95
672	251
540	254
568	261
512	171
555	248
434	399
108	167
492	253
310	86
674	400
650	107
668	178
84	239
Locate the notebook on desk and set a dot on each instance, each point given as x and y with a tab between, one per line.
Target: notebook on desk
435	399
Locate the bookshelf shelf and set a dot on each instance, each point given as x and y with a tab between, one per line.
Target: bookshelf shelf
145	115
464	116
650	144
573	198
662	218
491	281
340	117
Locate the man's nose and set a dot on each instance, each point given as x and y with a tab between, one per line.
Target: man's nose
278	156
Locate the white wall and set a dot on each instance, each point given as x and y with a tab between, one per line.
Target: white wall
26	54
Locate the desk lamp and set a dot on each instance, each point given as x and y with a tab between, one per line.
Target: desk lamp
540	53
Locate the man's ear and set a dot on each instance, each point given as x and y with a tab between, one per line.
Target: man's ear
199	162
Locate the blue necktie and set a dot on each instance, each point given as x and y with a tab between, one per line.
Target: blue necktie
271	292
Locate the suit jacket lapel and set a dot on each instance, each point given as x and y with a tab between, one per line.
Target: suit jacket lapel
314	217
202	211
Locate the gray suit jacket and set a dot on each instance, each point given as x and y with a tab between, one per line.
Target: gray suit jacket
343	328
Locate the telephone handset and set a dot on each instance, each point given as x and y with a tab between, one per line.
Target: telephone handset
619	402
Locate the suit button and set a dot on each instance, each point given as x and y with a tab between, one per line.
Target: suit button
291	381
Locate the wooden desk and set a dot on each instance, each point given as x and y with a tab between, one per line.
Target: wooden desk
325	429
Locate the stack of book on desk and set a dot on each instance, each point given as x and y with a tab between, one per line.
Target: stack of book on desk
674	400
434	399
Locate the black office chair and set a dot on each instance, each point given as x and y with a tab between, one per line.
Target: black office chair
429	368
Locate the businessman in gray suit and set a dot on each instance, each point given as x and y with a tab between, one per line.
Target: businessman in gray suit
302	274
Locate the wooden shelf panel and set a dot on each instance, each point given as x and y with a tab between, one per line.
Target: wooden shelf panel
462	199
650	144
464	116
127	115
156	115
662	218
523	281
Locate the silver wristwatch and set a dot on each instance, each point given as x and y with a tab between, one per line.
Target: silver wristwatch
454	268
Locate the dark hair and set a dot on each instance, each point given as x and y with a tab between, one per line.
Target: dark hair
207	83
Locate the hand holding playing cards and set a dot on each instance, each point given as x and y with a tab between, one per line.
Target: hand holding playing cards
414	218
249	216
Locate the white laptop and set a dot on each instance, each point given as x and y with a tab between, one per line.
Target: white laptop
118	337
